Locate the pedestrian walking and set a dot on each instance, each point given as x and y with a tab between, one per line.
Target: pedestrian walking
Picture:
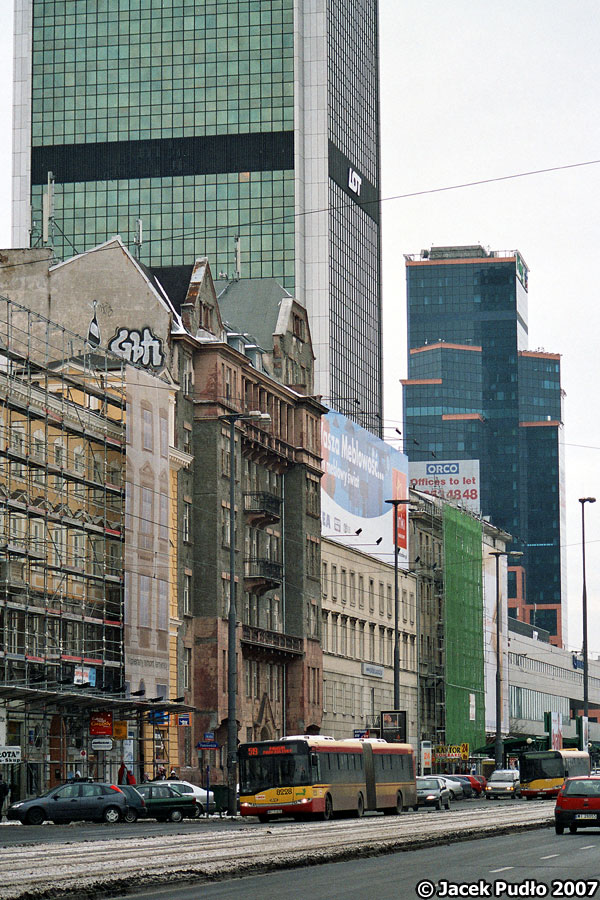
4	792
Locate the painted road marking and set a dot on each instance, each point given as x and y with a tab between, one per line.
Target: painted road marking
589	847
552	855
503	869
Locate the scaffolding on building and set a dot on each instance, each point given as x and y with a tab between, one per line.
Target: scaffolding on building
62	502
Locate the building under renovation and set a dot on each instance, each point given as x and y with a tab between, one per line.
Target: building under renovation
62	455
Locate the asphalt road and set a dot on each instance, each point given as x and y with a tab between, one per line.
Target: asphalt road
17	834
528	862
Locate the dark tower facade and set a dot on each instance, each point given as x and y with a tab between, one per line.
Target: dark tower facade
474	391
246	131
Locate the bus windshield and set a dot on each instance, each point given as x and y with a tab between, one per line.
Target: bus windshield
258	773
534	768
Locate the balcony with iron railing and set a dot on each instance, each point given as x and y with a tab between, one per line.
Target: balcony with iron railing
272	640
261	575
261	506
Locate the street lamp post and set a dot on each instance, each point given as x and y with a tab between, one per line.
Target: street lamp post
583	501
396	504
232	779
498	741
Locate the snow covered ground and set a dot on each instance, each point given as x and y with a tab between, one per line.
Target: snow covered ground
83	868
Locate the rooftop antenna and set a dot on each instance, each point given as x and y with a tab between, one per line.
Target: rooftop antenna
139	237
238	258
48	212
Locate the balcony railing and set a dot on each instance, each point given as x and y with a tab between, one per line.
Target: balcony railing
263	569
272	640
262	505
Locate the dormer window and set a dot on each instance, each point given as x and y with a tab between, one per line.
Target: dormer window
299	327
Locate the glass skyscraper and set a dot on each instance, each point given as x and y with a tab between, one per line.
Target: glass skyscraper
209	122
475	392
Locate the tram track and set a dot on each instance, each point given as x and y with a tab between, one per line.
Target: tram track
85	868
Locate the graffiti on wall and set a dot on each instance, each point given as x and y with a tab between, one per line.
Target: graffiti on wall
142	348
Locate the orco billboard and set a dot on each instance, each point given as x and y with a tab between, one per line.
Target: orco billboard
452	479
361	472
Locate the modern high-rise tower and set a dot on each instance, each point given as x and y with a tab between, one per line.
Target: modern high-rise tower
243	130
475	392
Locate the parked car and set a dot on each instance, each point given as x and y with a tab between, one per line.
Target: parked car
503	783
136	805
467	785
455	787
76	801
578	804
164	803
482	781
432	791
186	787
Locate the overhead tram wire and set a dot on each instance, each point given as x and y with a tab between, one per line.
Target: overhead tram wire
294	215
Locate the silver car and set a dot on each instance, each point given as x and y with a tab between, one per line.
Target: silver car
455	787
503	783
432	791
186	787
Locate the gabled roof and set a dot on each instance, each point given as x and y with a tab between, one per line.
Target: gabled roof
153	283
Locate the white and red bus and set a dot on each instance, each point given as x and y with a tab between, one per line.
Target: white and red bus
314	776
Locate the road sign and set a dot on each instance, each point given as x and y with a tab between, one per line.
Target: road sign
102	744
209	735
207	745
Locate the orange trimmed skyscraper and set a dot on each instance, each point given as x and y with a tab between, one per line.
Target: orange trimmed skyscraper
475	392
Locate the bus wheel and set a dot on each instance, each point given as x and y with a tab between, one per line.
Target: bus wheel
263	819
399	804
360	806
573	828
328	811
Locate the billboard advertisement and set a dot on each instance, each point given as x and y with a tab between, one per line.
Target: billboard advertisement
361	472
452	479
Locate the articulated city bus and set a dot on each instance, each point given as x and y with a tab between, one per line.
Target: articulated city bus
314	776
543	771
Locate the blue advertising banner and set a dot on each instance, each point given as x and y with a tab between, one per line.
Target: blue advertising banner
361	472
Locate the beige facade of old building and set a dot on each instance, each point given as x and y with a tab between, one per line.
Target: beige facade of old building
358	621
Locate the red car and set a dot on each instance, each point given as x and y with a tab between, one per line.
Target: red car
578	804
474	781
482	779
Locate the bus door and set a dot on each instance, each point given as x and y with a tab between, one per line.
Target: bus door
369	776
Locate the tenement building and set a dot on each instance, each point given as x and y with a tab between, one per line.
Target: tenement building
477	398
245	132
189	380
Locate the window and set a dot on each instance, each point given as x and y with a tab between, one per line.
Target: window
324	575
164	517
144	601
147	436
163	599
59	462
343	586
186	521
334	584
187	668
187	594
17	445
164	436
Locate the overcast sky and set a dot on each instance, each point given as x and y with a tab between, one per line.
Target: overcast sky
470	91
